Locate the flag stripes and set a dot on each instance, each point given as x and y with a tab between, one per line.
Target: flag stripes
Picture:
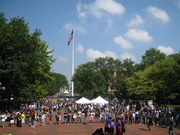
70	38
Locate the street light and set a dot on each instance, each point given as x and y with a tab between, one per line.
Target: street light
1	91
2	88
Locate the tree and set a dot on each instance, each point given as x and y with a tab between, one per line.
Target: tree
57	82
25	61
94	78
160	82
140	87
151	57
88	82
167	74
124	69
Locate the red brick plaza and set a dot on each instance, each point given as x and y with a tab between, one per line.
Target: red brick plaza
79	129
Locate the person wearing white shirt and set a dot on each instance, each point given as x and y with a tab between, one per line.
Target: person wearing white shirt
3	119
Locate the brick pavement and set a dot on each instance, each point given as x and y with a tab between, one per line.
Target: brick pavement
79	129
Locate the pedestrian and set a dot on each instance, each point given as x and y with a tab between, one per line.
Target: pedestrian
171	127
65	117
3	120
79	117
107	126
120	127
27	120
57	117
123	126
112	126
69	116
43	119
149	120
19	120
33	120
23	117
50	116
11	119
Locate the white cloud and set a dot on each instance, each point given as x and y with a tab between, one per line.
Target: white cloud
51	52
75	27
139	35
128	56
62	59
80	13
93	54
110	6
100	8
136	21
166	50
123	42
80	49
158	14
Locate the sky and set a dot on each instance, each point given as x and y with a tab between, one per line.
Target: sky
102	28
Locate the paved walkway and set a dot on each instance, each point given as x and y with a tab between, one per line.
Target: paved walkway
79	129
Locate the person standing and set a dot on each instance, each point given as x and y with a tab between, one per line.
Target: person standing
11	120
112	126
69	116
171	127
107	126
33	119
19	120
3	120
43	119
123	126
65	117
79	116
23	117
120	127
149	120
27	120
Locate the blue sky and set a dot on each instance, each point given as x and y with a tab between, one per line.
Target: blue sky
115	28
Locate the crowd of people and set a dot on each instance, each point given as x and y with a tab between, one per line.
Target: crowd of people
113	116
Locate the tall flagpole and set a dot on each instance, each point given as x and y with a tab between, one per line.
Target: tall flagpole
73	64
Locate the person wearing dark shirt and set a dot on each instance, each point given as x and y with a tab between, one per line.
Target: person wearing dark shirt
171	127
112	126
149	120
107	125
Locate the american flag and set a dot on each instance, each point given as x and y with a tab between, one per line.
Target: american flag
70	38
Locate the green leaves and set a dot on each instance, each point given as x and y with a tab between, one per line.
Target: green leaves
140	86
156	78
56	83
96	78
24	60
160	81
151	57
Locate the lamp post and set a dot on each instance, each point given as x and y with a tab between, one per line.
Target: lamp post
2	88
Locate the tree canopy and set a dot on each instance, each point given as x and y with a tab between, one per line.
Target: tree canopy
157	78
56	83
25	61
151	56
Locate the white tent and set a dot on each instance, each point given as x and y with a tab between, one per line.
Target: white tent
66	92
99	100
83	100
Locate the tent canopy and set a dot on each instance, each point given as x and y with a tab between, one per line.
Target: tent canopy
99	100
66	92
83	100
